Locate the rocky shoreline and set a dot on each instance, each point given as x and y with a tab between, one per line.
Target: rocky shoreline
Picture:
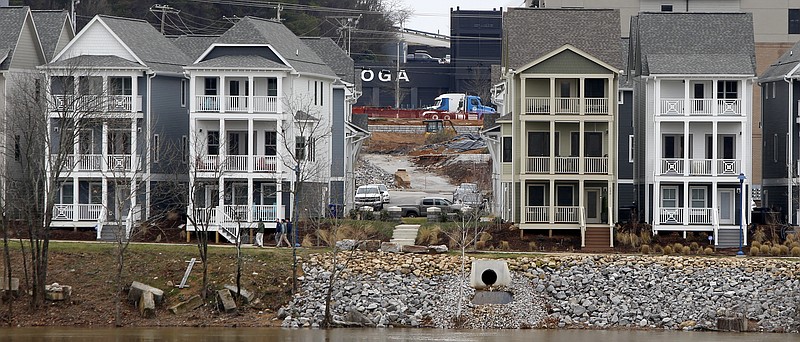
556	291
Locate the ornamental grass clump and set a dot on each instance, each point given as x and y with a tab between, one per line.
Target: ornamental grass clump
784	250
678	247
796	251
686	250
775	250
694	246
708	251
657	249
668	250
645	249
755	244
765	250
532	246
755	251
759	235
505	246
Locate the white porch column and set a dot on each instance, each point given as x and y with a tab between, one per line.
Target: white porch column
686	203
656	203
278	197
582	201
134	146
581	99
250	102
104	199
223	145
279	97
134	93
552	147
715	100
191	93
581	150
523	95
104	147
685	149
714	160
688	106
75	199
551	208
220	201
250	202
552	95
714	207
250	148
222	97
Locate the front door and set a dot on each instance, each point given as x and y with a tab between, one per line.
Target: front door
727	206
593	205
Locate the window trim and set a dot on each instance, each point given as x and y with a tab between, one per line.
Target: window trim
692	199
510	149
676	199
184	148
184	88
667	7
631	150
796	20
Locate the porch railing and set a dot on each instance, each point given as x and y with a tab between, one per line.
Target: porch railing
236	103
566	214
265	163
596	164
671	216
700	107
205	215
537	214
700	215
85	212
731	107
538	164
208	163
236	163
207	103
537	105
671	166
596	106
672	107
568	105
728	167
266	213
700	167
97	103
119	162
235	213
265	104
567	164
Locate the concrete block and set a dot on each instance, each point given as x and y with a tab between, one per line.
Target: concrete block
225	301
492	297
57	292
13	288
147	305
487	273
186	306
732	324
415	249
246	296
137	288
390	247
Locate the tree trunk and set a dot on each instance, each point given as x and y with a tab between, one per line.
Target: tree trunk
7	265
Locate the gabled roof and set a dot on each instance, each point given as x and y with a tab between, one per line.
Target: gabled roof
333	55
97	62
243	62
567	47
11	24
250	30
694	43
193	46
149	45
530	33
785	66
50	24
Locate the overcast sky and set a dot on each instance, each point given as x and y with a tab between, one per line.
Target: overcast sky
434	15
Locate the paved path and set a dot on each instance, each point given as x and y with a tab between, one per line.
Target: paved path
405	234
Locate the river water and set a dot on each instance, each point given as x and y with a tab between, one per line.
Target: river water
343	335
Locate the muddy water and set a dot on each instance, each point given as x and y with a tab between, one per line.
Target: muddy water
428	335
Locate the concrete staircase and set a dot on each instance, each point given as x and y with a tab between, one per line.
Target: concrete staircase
111	233
404	234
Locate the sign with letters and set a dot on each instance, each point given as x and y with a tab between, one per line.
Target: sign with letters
384	75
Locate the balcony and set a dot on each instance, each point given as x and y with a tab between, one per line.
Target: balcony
541	164
236	104
537	165
97	103
566	106
700	167
77	212
700	107
96	162
238	213
237	163
567	164
685	216
561	214
596	165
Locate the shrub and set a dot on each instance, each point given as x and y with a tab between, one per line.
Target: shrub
645	249
428	235
532	246
624	239
754	251
791	237
784	249
755	244
678	247
505	246
657	249
795	244
307	242
645	237
667	250
796	251
686	250
480	245
485	237
759	235
694	246
384	215
775	250
765	249
708	251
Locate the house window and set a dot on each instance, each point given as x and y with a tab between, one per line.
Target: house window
620	98
156	147
727	89
120	86
698	199
270	143
66	194
213	143
300	148
95	193
321	93
210	86
773	89
311	148
794	21
316	94
538	144
766	90
272	87
507	147
183	93
185	148
666	8
775	148
630	148
669	197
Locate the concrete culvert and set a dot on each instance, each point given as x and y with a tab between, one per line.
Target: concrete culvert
489	277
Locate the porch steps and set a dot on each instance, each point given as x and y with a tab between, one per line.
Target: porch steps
405	234
111	233
597	239
727	238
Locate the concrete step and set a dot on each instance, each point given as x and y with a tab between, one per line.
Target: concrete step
405	234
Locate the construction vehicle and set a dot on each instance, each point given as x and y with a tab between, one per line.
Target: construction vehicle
433	126
446	106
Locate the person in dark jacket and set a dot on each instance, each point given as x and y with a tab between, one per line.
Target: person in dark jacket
260	235
287	226
278	232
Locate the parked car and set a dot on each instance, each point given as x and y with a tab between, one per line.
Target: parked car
384	192
414	210
370	196
464	189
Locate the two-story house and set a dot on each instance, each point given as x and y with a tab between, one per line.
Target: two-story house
781	149
260	123
556	142
120	83
693	76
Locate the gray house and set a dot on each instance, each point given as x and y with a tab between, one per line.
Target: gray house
127	80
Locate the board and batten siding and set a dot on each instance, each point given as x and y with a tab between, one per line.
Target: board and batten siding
169	120
28	52
97	40
337	134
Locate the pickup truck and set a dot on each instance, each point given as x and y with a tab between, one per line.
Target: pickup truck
414	210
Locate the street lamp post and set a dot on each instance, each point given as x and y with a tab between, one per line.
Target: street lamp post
741	213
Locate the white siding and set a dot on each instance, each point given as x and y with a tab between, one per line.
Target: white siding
97	40
63	39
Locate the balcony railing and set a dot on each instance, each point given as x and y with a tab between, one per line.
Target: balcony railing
96	162
701	167
700	107
97	103
236	163
266	213
671	166
566	214
567	164
250	213
208	163
236	104
119	162
265	163
568	105
537	105
728	167
596	106
537	214
77	212
681	216
205	215
596	164
538	165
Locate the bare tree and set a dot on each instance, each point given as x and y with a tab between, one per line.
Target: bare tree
463	235
43	125
341	256
479	83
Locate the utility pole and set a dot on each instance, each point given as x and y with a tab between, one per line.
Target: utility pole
346	25
72	14
164	9
397	72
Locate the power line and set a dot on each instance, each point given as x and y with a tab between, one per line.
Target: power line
164	9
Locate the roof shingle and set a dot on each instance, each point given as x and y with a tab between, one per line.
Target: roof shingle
49	25
333	55
11	20
148	44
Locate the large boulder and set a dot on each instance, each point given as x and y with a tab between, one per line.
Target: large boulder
137	288
415	249
225	301
355	317
57	292
370	245
147	305
183	307
246	296
438	249
390	247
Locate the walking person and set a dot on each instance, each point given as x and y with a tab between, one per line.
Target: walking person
287	226
278	232
260	235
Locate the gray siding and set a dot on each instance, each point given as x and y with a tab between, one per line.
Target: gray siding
626	199
27	53
170	121
624	129
774	129
337	134
337	194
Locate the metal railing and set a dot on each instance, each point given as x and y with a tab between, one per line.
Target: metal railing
537	214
